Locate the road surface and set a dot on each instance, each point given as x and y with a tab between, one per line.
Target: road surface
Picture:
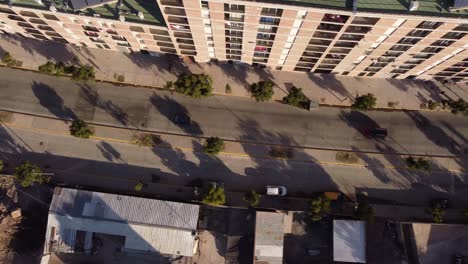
120	166
235	118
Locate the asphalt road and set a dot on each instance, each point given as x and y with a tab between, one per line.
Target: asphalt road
119	166
233	118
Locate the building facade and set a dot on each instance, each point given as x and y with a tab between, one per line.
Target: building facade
384	39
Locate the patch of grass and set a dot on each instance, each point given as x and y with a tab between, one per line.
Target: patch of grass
146	139
347	157
10	61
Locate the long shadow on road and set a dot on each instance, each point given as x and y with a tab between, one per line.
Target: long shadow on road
51	100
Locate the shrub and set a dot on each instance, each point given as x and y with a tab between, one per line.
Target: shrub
347	157
83	73
365	211
146	139
55	68
228	89
365	102
252	197
437	213
465	215
215	196
10	61
168	85
213	145
28	173
139	186
432	105
81	129
420	164
262	91
194	85
1	165
297	98
458	106
319	207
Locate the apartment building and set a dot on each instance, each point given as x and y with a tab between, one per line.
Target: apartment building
372	38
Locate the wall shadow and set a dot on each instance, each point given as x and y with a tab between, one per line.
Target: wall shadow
52	101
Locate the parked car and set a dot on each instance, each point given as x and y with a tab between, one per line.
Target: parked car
182	119
440	203
276	190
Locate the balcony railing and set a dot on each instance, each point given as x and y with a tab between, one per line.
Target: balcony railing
174	11
172	3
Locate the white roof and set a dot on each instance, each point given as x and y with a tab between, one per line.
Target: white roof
272	190
349	241
269	237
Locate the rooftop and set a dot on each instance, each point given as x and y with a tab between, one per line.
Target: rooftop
146	224
349	241
269	237
129	9
426	7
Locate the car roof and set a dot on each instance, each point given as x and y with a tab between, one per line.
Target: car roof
273	190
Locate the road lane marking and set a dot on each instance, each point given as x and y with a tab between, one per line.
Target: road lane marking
222	153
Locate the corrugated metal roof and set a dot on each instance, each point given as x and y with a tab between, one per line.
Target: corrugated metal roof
137	236
269	237
349	241
105	206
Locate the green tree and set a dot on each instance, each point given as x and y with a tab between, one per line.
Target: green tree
28	173
83	73
297	98
319	207
262	91
215	196
81	129
252	197
1	165
465	215
365	211
420	164
213	145
365	102
194	85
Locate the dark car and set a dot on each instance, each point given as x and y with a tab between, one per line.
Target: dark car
182	119
379	133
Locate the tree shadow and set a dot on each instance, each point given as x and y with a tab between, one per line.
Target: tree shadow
435	134
177	113
359	121
51	50
330	83
51	100
279	165
114	110
109	152
165	65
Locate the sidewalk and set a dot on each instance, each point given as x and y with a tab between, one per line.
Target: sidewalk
145	70
234	148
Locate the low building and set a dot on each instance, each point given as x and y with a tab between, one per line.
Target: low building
142	225
349	241
269	238
438	243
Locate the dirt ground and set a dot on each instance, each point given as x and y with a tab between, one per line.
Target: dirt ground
21	238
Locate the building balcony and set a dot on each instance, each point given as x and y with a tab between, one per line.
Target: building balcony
172	3
260	60
177	20
234	26
174	11
182	35
351	37
305	64
233	57
365	20
312	54
329	27
159	38
234	46
269	21
316	48
229	17
344	44
185	41
231	33
267	29
335	18
358	29
168	50
274	12
233	52
234	8
186	47
309	60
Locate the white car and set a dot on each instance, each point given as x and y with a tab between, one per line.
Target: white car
276	190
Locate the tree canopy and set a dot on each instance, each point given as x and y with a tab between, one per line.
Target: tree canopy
262	91
319	207
365	102
215	196
28	173
81	129
213	145
194	85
